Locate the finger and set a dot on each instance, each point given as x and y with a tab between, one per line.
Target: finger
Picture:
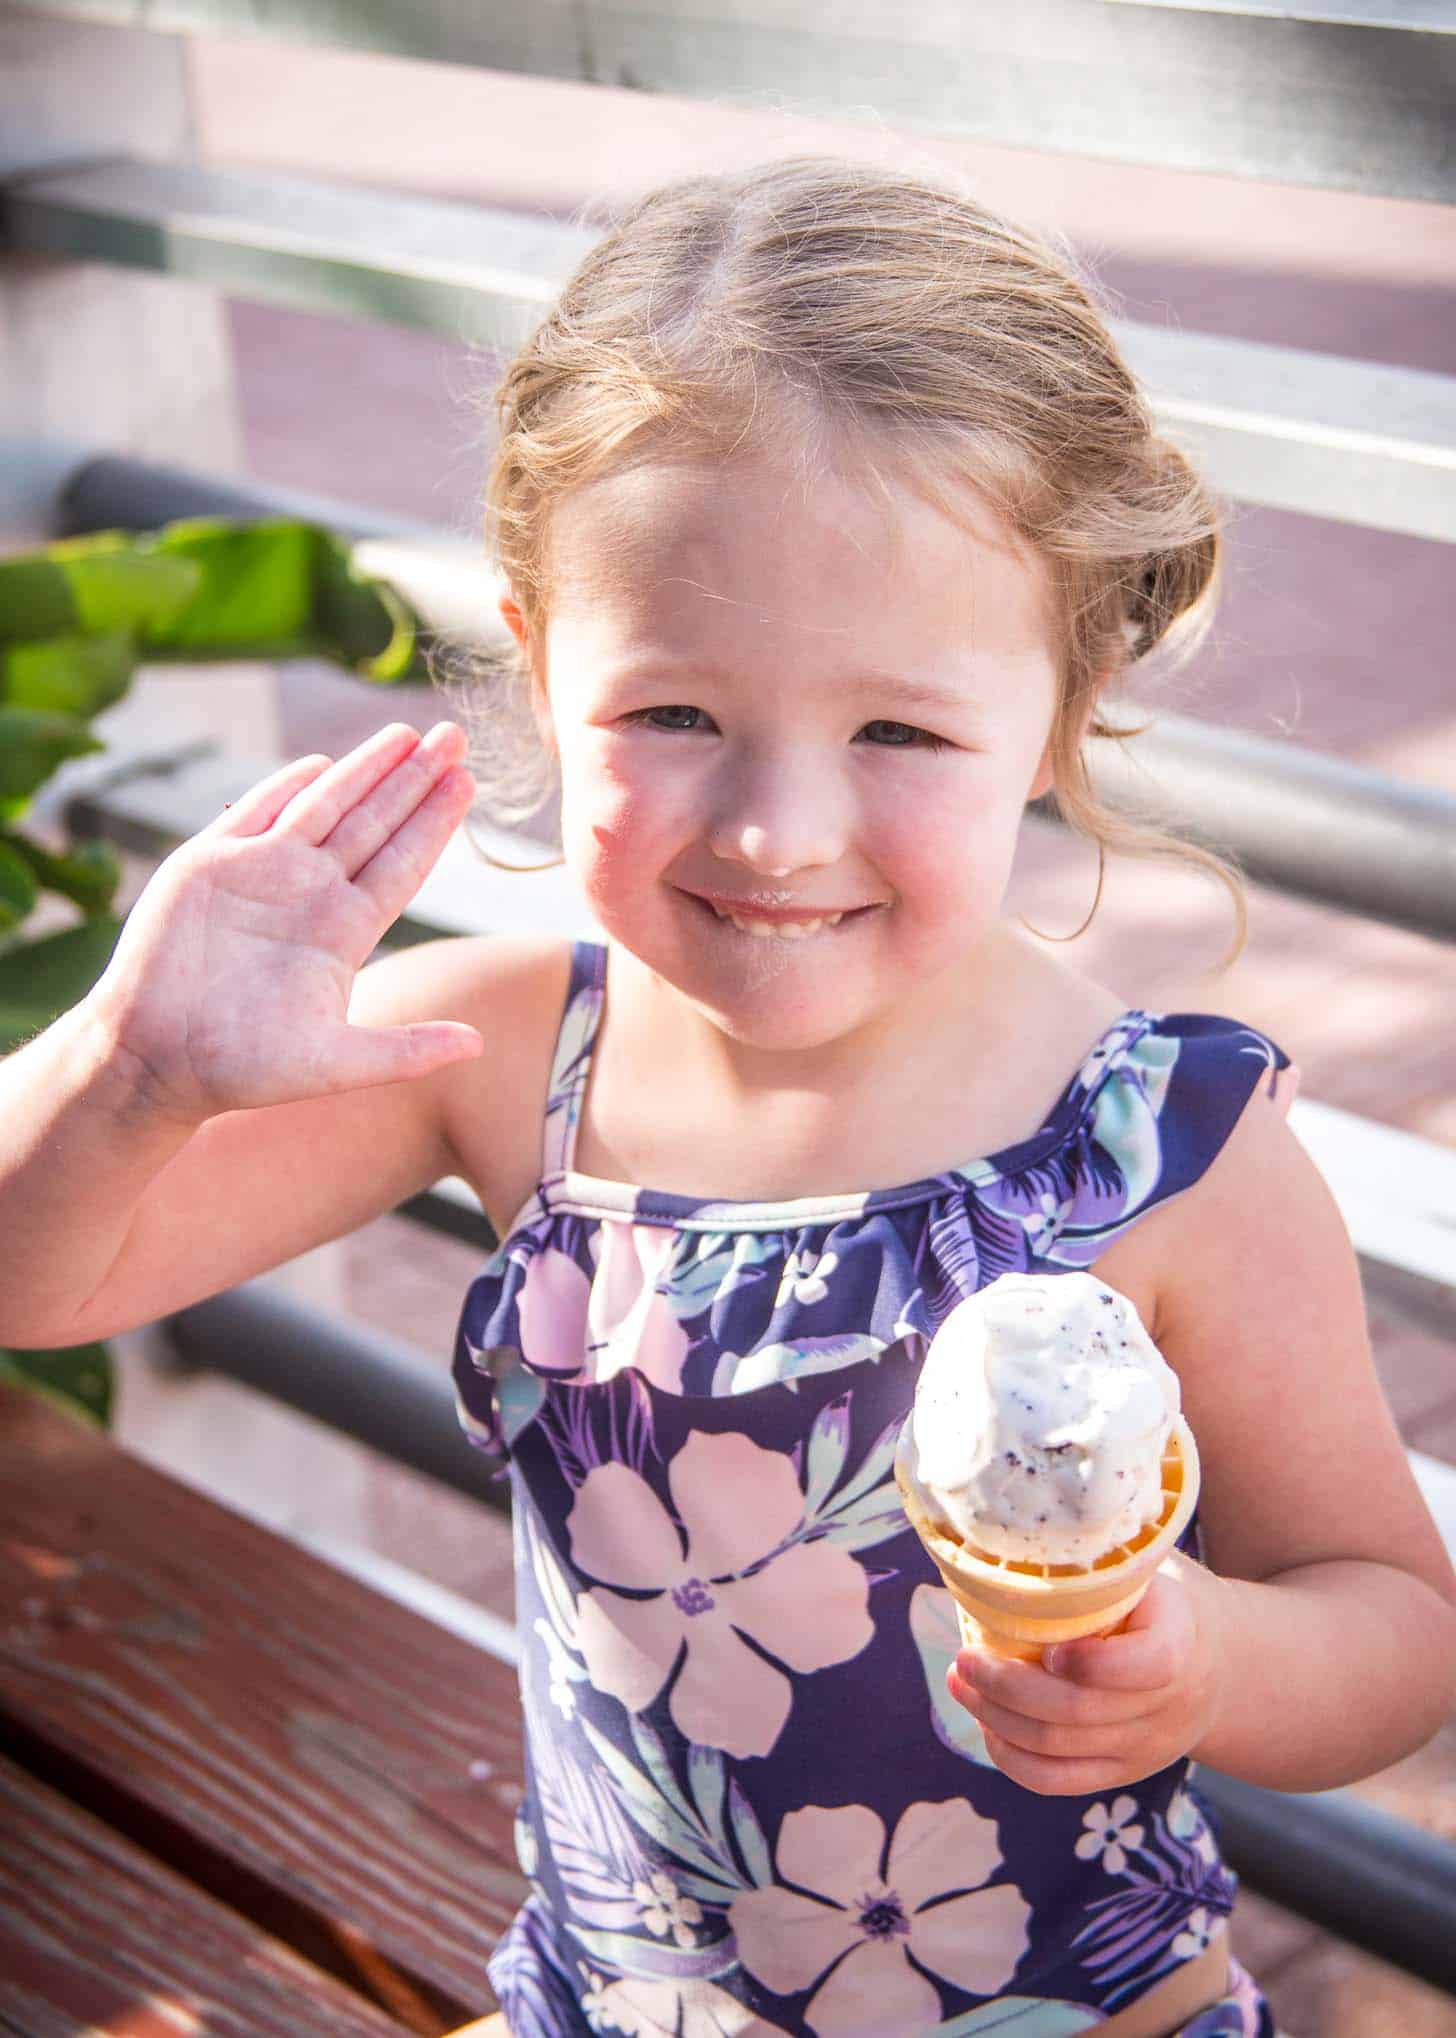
316	811
259	807
395	873
1146	1654
1050	1775
367	826
1030	1690
359	1057
1105	1740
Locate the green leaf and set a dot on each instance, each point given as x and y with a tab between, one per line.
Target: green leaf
88	874
78	1378
107	581
254	585
41	979
17	886
32	746
366	623
68	675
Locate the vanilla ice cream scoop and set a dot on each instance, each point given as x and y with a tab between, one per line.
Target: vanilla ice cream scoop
1041	1417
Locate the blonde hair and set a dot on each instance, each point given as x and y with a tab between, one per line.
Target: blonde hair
818	305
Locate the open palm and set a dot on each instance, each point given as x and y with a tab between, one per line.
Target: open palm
229	988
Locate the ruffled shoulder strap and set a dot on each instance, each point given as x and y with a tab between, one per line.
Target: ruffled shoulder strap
1154	1115
571	1064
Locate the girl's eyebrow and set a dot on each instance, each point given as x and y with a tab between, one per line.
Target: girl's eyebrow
905	692
916	693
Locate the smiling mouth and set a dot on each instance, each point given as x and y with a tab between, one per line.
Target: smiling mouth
783	925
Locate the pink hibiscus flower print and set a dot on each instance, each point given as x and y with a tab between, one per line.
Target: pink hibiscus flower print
572	1323
853	1931
808	1605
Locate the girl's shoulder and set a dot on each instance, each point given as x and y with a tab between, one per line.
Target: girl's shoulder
511	988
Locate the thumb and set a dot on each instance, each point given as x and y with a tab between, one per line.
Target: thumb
361	1056
1142	1655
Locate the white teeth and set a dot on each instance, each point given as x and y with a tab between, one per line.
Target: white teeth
782	930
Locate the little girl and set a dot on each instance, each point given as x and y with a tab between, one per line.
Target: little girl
829	516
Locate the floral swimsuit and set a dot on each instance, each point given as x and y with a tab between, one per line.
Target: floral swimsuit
751	1805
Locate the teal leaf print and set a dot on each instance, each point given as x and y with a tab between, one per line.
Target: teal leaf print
876	1469
599	1858
875	1519
519	1394
660	1810
631	1955
784	1364
711	1264
1021	2017
749	1834
867	1508
708	1784
937	1638
828	1442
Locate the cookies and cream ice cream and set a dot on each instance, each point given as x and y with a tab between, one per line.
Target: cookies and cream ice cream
1041	1418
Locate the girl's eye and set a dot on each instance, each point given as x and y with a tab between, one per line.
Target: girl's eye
902	735
676	716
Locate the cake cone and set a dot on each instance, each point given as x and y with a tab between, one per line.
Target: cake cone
1018	1607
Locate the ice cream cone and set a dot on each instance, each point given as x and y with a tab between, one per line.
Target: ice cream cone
1018	1607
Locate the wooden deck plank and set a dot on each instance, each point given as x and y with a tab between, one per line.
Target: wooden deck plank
96	1935
334	1766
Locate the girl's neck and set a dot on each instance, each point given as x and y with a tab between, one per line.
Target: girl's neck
676	1105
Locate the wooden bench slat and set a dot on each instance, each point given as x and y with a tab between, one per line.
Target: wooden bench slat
96	1932
329	1762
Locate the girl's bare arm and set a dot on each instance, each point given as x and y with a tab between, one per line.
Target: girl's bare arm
1319	1642
229	1094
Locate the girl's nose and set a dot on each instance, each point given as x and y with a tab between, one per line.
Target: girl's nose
780	820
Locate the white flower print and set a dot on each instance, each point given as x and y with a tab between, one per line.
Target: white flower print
806	1604
1199	1931
1042	1224
806	1277
641	2007
861	1939
665	1909
594	2000
1110	1834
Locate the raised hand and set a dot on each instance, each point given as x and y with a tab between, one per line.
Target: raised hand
229	987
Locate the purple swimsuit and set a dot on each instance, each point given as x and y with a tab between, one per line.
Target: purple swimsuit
751	1805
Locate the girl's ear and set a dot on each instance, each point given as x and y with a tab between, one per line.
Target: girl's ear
515	622
1045	777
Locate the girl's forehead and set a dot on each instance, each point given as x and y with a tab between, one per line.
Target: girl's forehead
770	529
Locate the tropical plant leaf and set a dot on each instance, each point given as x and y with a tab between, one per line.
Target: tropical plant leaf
41	979
18	887
77	1378
68	675
32	745
101	581
88	874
